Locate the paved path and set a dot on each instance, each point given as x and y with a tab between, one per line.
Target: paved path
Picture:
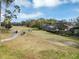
12	37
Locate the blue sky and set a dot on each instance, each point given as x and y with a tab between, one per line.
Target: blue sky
58	9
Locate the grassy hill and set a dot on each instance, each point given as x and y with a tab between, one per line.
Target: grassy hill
36	45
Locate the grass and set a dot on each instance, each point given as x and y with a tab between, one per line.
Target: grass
7	53
4	35
49	54
34	46
20	28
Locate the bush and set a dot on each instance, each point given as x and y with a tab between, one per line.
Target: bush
8	26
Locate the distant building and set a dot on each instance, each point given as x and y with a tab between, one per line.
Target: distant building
75	30
49	27
54	28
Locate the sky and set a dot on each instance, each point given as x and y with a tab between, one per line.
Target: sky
58	9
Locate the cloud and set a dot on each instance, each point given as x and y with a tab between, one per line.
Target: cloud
24	3
29	16
74	1
76	10
45	3
2	14
51	3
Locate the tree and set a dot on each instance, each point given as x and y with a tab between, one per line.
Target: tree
10	14
0	12
61	25
7	2
23	23
77	21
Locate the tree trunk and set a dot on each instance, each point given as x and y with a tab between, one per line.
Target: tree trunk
0	12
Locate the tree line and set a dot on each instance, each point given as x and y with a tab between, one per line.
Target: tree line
52	25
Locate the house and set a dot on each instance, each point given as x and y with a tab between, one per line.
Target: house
75	30
69	28
49	27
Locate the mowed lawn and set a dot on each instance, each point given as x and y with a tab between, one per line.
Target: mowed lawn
35	45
